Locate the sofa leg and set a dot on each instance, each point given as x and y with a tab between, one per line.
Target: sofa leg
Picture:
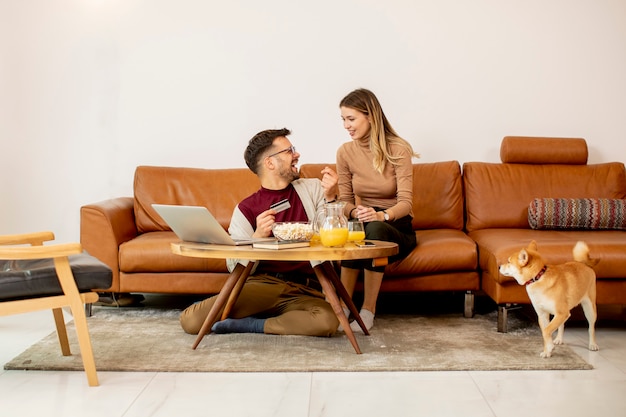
468	310
503	311
503	318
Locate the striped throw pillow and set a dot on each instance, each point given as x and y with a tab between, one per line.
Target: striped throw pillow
577	213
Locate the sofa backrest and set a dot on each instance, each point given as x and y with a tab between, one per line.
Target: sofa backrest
220	190
498	195
437	193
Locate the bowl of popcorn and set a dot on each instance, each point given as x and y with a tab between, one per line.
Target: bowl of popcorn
293	230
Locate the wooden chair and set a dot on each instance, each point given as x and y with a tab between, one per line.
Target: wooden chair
36	277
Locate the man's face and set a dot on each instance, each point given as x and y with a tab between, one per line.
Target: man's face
286	159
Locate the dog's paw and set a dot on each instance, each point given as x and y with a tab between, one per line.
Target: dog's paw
547	351
593	347
558	341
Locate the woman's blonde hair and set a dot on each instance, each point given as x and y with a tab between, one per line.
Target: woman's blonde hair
382	135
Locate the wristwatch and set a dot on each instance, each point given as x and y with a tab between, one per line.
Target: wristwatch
386	215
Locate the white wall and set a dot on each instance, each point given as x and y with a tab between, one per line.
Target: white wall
89	89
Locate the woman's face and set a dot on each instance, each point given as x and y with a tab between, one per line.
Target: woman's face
356	123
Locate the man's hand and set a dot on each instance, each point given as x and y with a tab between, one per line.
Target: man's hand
264	223
329	183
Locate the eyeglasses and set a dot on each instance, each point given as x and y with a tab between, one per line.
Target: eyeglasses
291	149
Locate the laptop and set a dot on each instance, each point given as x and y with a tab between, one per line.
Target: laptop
196	224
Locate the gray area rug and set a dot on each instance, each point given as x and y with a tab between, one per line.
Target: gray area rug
151	339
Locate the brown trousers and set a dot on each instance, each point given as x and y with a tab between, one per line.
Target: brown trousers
288	307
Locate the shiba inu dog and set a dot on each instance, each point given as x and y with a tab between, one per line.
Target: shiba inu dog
556	289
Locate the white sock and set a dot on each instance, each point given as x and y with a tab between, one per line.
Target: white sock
368	319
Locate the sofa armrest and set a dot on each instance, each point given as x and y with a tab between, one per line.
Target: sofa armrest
104	226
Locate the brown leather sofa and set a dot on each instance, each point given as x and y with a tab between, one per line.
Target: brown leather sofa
128	235
466	224
497	198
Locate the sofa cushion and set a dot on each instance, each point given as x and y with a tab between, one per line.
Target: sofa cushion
540	150
438	251
152	252
577	213
437	196
191	187
496	245
37	277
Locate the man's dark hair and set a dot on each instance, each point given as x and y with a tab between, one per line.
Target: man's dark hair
259	144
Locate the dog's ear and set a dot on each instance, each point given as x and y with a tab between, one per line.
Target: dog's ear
532	245
522	258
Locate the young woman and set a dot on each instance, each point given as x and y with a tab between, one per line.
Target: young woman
375	172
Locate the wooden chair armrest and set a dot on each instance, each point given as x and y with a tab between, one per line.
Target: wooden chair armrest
36	238
40	252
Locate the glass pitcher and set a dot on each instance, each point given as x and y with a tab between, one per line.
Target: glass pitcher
332	225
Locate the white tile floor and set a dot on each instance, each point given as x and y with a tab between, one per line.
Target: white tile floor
599	392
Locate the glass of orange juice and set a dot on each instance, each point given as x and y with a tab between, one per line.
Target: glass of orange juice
356	231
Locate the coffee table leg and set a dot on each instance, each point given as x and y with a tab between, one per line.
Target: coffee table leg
333	300
343	294
240	273
234	295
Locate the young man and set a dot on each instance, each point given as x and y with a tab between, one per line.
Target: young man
279	297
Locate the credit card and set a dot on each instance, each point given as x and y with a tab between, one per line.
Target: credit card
281	206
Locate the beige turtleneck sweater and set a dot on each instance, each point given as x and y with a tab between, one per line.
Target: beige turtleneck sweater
360	182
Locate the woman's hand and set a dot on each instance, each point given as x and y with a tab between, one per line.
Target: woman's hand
367	214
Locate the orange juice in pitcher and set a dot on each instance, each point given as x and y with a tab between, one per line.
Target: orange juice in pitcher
333	225
334	237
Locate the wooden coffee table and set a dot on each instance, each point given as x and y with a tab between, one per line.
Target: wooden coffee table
324	270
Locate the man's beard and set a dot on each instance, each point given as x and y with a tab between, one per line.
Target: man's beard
289	174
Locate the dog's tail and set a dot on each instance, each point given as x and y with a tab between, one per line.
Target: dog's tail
581	254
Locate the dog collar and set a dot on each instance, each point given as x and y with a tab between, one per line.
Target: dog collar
538	276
